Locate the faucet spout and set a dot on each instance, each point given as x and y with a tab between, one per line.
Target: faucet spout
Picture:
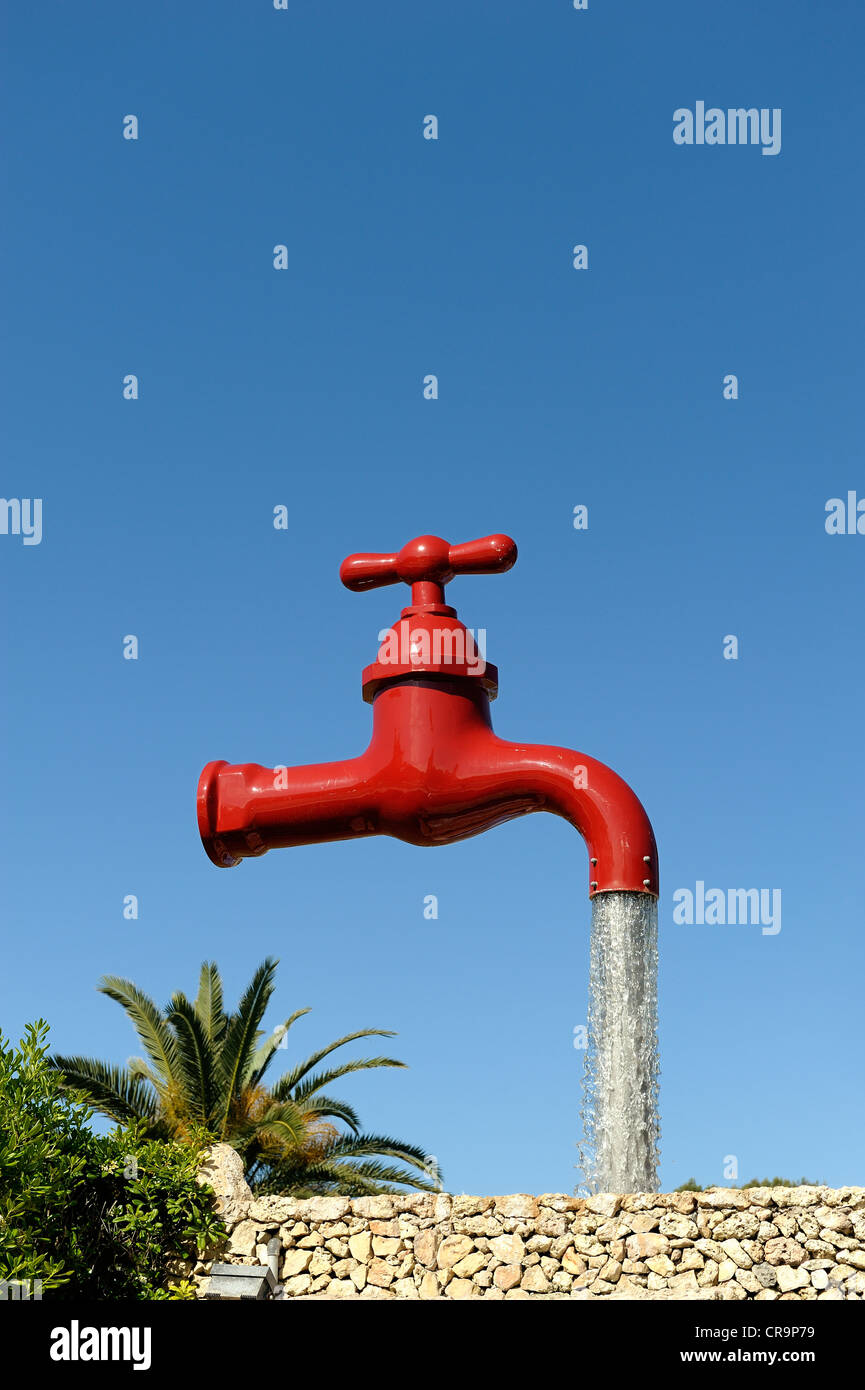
598	803
434	773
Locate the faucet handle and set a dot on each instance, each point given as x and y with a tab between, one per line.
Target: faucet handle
428	563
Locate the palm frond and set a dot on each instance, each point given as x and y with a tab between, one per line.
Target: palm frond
384	1175
209	1003
360	1179
293	1078
363	1145
150	1024
350	1164
113	1091
264	1054
196	1059
285	1124
316	1178
241	1033
137	1066
314	1083
328	1107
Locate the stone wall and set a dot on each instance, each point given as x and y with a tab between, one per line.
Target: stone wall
763	1243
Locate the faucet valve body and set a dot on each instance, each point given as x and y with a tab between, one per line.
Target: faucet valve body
434	771
429	638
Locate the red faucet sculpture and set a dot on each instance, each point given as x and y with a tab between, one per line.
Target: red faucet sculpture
434	771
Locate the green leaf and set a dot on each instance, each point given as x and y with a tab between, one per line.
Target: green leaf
150	1025
240	1037
208	1002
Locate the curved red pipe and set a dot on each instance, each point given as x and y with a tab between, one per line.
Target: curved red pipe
434	772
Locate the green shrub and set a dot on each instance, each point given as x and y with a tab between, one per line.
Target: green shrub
781	1182
693	1186
100	1216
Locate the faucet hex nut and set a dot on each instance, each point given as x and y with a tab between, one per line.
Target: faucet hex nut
208	801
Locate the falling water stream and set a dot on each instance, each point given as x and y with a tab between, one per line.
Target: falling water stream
620	1094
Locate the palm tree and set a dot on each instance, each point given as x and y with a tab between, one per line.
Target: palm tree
205	1073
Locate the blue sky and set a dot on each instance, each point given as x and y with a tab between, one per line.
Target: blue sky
557	388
